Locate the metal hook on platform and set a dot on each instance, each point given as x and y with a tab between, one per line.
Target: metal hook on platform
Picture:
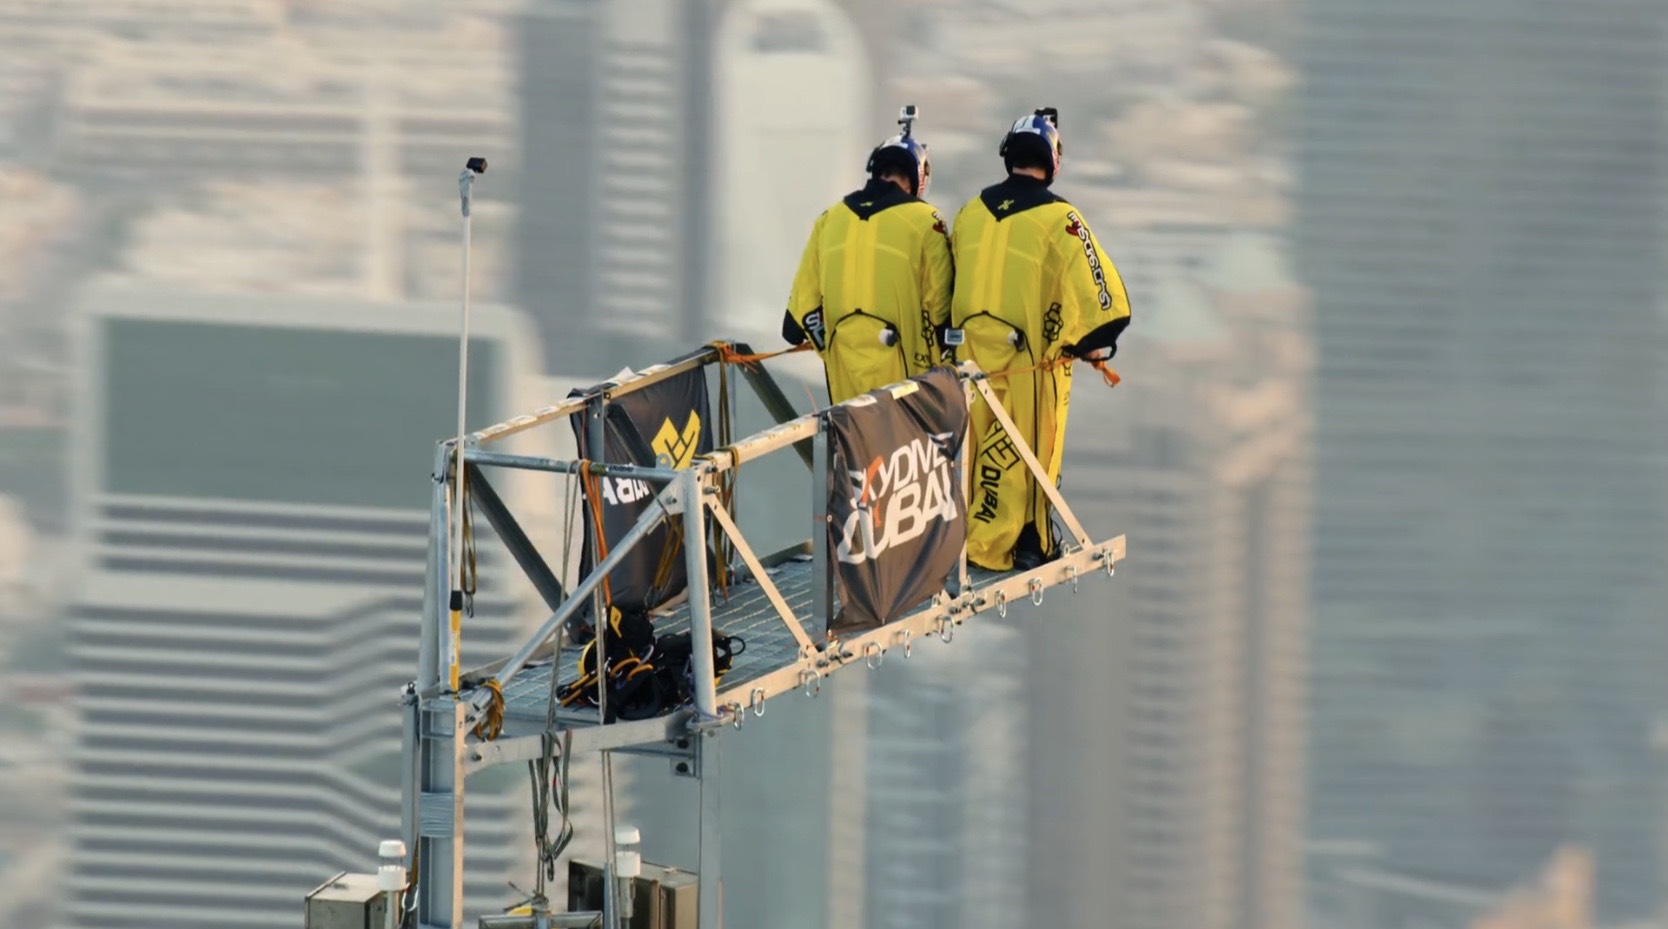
1071	574
737	714
946	629
873	655
758	700
1002	604
1111	564
903	636
806	679
1036	591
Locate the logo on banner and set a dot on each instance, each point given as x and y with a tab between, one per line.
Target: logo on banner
895	499
674	450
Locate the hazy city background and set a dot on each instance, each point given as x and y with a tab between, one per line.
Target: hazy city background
1389	448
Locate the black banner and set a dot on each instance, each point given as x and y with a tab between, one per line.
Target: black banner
898	520
664	425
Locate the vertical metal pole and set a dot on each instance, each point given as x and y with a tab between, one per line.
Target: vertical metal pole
700	606
454	638
596	447
440	815
411	722
822	573
435	584
709	900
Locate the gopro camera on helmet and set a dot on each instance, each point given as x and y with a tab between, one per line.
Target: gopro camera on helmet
905	153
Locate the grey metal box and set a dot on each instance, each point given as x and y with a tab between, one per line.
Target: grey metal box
347	901
663	898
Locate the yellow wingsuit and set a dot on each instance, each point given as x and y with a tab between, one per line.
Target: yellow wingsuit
1031	283
873	289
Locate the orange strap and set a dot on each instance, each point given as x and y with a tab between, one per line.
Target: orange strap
727	353
1063	361
593	497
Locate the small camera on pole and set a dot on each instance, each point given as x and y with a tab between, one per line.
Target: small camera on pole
473	168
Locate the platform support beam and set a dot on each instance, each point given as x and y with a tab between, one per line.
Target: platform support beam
700	604
439	804
434	590
710	892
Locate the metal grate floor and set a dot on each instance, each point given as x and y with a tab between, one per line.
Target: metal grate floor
746	612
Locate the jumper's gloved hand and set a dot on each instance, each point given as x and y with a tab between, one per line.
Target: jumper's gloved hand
1100	344
1090	352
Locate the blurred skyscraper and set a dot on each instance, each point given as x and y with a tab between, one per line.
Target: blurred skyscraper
1481	225
250	512
1179	691
674	156
947	835
616	126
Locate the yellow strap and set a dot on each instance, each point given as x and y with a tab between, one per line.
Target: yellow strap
491	724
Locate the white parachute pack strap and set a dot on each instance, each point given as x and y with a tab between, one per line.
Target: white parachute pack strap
466	181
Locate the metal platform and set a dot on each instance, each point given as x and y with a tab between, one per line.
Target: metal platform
779	606
748	612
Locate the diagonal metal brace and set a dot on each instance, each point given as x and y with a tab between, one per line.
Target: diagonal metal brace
762	577
770	394
510	532
1030	458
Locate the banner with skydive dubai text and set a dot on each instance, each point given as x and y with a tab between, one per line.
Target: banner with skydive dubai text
898	522
664	425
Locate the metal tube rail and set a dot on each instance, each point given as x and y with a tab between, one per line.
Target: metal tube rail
642	379
561	466
800	429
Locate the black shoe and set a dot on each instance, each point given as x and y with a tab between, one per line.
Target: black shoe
1028	551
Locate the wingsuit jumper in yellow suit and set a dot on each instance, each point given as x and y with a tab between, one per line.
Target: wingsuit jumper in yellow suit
1032	285
873	289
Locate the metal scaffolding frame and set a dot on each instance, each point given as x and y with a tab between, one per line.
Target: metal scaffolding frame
788	590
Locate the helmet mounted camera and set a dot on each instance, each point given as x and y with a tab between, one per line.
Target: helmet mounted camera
904	153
